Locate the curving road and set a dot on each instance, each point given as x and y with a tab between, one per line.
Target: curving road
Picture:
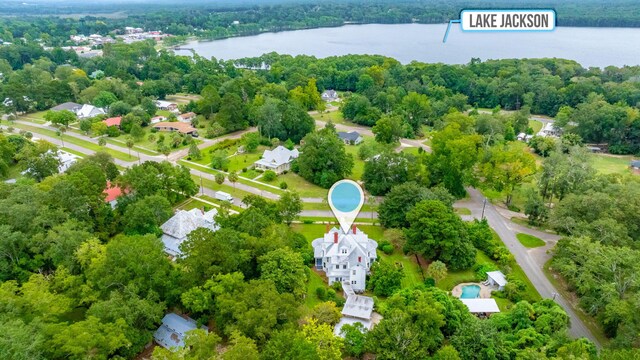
531	260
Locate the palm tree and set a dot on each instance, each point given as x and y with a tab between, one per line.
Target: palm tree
129	142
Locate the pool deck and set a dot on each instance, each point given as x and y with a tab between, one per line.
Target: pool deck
485	291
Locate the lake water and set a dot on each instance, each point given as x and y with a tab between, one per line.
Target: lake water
407	42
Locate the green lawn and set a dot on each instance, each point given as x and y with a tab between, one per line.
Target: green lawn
193	204
530	241
302	186
219	202
210	184
610	164
462	211
315	281
246	160
358	165
256	185
456	277
73	140
535	125
333	116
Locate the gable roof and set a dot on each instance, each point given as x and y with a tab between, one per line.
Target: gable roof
184	222
71	106
114	121
481	305
89	111
498	277
180	127
187	115
278	156
351	136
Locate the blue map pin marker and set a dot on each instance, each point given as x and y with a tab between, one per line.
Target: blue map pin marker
346	199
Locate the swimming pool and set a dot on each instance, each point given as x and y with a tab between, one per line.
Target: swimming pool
470	292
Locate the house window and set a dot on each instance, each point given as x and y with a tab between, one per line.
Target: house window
344	266
353	282
344	251
337	267
353	272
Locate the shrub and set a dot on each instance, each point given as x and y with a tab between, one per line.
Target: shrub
337	286
480	271
321	293
429	282
283	185
269	176
514	290
513	208
244	170
307	222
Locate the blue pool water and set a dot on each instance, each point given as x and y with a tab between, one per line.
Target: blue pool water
346	197
470	292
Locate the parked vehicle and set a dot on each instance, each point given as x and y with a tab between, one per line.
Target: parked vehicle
221	195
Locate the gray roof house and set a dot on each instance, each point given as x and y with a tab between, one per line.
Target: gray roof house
173	330
350	138
357	309
345	257
329	95
71	106
635	164
278	159
176	229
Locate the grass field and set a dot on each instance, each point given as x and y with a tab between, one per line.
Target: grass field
462	211
193	204
73	140
610	164
246	160
530	241
333	116
315	281
302	186
535	125
358	165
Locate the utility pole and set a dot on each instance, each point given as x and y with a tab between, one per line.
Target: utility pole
201	187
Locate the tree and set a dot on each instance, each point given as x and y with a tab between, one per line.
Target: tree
232	113
326	313
417	110
388	130
453	158
219	160
194	151
508	167
242	348
354	339
90	338
40	161
402	198
251	141
130	143
146	216
104	99
286	269
386	278
219	178
269	176
102	142
61	117
85	126
436	232
289	206
323	159
437	270
136	132
209	102
119	108
327	344
233	178
384	171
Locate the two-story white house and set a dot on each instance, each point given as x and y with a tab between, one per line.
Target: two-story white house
345	257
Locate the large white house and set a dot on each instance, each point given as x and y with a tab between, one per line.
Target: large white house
278	159
176	229
89	111
345	257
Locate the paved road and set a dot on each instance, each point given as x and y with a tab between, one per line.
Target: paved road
530	260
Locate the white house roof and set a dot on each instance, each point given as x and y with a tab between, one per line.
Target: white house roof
358	306
278	156
173	330
350	321
89	111
176	229
351	136
481	305
498	277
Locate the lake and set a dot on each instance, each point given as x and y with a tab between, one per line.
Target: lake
407	42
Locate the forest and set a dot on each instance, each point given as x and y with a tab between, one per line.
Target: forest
82	280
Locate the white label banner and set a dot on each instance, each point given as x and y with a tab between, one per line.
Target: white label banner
508	20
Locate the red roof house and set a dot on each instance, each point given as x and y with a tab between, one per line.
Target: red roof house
112	193
114	121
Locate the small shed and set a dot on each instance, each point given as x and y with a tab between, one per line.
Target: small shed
496	278
481	306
